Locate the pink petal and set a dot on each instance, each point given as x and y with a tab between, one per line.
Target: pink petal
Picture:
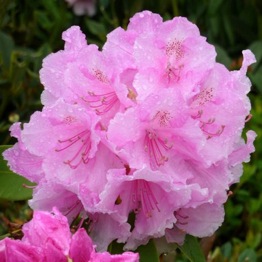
81	246
51	228
74	38
201	221
16	250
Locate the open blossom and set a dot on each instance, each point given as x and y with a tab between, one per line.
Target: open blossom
47	237
145	135
82	7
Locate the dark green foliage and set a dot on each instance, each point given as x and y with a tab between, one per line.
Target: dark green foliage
30	30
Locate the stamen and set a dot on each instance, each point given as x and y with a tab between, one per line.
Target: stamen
118	200
29	187
101	103
209	122
143	198
229	193
154	146
128	169
248	118
83	143
89	223
198	115
132	94
90	226
76	205
80	223
208	133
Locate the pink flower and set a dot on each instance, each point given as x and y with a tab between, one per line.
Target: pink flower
46	193
91	84
151	196
82	7
64	134
142	138
16	250
21	160
47	237
55	84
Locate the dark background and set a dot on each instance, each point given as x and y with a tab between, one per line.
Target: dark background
30	30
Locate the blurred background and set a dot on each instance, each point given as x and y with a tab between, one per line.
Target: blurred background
30	30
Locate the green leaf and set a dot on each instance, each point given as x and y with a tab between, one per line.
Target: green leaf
116	248
96	28
12	187
256	48
104	3
6	48
226	250
192	250
3	9
229	29
214	6
222	56
11	184
248	255
148	252
256	78
43	19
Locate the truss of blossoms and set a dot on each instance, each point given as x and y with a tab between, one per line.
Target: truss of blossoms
150	127
53	241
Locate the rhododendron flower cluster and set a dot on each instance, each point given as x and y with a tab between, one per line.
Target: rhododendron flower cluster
143	138
47	237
